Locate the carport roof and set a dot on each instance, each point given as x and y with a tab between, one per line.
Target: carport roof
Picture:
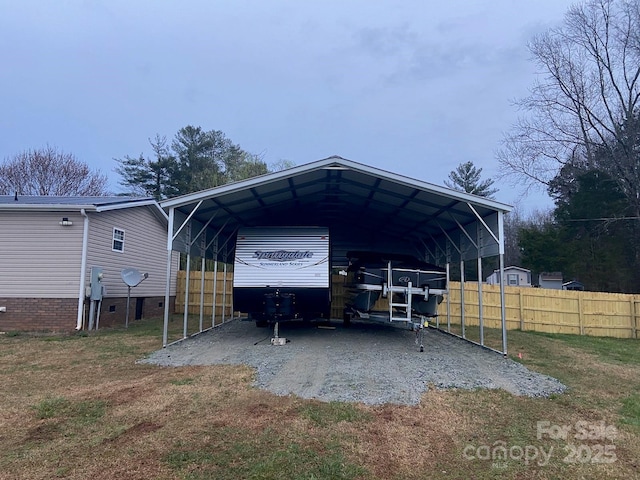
352	199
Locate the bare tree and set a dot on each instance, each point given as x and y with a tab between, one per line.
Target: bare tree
49	171
586	99
281	164
513	222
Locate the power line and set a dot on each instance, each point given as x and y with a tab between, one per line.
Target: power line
604	219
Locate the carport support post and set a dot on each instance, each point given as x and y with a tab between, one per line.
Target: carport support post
215	291
167	288
202	263
480	310
224	291
462	298
448	301
186	296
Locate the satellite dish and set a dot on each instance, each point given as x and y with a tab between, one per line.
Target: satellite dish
132	277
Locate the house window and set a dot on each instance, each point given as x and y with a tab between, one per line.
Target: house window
118	240
512	279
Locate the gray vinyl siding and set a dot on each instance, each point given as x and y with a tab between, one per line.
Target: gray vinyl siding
145	248
38	256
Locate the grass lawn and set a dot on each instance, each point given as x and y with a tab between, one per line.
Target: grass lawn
79	407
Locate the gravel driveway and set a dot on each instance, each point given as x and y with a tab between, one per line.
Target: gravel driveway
367	363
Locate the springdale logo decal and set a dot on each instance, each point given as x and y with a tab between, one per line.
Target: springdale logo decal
282	255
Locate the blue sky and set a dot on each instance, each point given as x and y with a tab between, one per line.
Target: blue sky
414	87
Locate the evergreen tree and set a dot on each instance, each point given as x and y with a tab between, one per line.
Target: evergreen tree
196	160
590	238
466	178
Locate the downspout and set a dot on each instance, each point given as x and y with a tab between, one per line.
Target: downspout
83	269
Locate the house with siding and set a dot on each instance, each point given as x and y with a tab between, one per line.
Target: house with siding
49	247
513	277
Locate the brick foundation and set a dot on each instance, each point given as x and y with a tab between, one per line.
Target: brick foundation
114	310
60	314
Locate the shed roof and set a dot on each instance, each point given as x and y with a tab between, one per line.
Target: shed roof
550	276
366	208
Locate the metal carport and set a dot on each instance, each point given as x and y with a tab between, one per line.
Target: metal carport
365	208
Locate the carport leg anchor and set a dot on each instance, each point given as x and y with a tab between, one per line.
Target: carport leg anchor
276	340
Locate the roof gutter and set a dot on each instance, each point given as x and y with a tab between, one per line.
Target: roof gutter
83	269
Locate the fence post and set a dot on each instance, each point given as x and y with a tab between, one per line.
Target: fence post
634	318
521	300
580	313
179	289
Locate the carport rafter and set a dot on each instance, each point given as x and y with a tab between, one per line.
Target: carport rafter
257	197
417	226
384	191
229	212
291	189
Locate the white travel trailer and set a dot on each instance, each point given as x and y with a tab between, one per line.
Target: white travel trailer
282	273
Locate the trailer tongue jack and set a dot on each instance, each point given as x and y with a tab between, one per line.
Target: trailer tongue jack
277	340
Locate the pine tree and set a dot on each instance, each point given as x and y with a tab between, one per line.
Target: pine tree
466	178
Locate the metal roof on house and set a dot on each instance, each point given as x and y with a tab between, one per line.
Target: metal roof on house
45	203
68	200
364	207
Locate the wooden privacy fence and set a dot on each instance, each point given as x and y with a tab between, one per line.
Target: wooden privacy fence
195	284
528	309
551	311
